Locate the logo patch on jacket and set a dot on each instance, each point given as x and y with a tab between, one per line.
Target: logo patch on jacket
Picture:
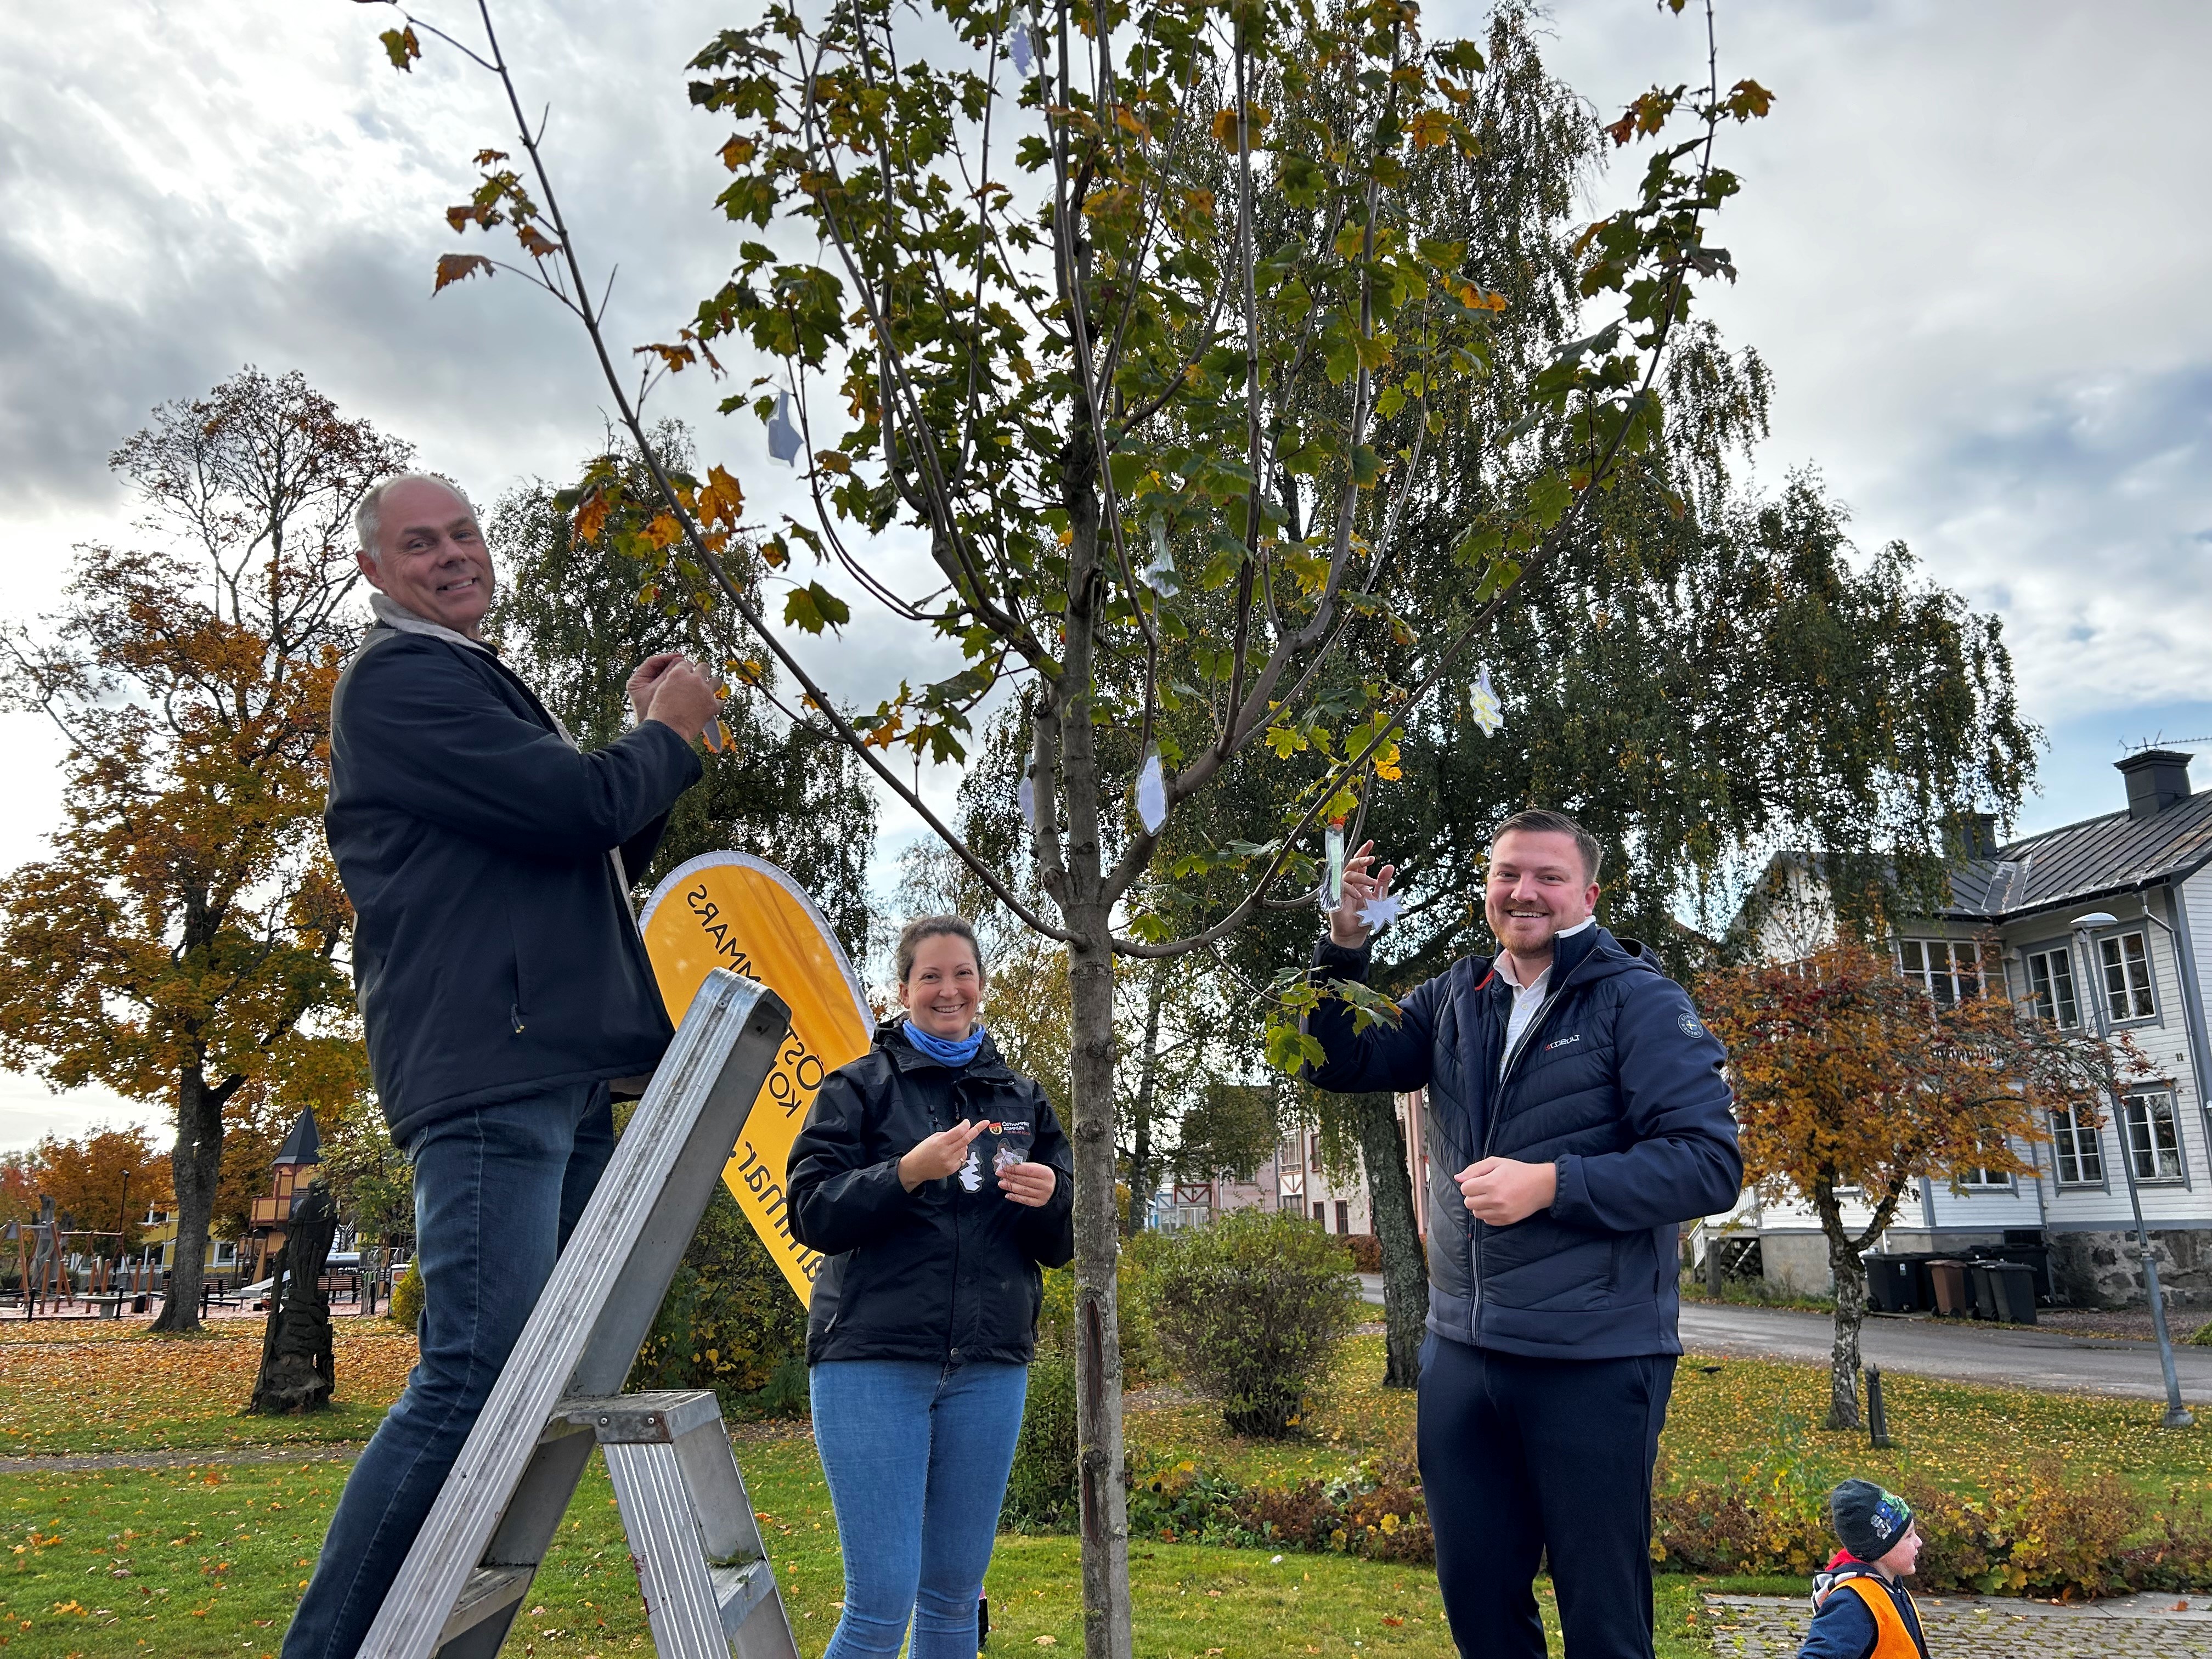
1690	1026
1561	1042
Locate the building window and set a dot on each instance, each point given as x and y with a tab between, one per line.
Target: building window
2154	1136
1949	969
2051	987
2074	1143
1321	1215
1344	1215
2127	976
1291	1155
1295	1203
1984	1180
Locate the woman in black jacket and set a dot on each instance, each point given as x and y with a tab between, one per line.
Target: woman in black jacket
937	1181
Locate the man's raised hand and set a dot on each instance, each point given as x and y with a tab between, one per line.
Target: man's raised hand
683	697
1361	886
647	675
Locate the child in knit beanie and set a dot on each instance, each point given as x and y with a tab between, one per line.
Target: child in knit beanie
1860	1609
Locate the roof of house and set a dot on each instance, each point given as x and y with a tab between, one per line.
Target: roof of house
2117	853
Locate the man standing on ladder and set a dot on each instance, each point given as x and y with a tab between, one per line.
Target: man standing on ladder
502	984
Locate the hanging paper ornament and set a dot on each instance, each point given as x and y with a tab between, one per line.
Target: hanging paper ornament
1332	886
782	435
1151	793
1160	575
1488	713
1018	47
1379	913
1025	798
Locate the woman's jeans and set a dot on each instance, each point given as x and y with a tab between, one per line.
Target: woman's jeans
497	1189
917	1454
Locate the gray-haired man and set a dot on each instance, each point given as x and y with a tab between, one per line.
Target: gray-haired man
501	981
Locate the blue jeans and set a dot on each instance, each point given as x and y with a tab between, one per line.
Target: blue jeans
497	1189
917	1454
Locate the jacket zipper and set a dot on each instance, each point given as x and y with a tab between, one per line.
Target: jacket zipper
1490	1131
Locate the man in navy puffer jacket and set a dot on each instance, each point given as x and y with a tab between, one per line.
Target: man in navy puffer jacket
1576	1114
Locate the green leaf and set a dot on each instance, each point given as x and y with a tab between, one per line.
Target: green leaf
1290	1049
402	47
814	608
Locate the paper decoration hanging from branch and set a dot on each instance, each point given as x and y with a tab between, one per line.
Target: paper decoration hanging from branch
1379	913
1151	793
1489	714
1025	797
783	435
1332	861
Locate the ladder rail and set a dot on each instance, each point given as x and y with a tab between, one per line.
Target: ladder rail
503	1501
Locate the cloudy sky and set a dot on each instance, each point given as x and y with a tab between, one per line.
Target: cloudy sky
1973	239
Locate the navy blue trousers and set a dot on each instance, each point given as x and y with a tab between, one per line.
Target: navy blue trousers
1524	1458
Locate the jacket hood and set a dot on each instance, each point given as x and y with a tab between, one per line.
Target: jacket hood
891	1039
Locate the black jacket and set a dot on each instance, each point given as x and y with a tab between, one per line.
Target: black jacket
948	1272
495	953
1616	1081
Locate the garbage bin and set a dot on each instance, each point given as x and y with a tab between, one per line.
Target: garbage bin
1895	1283
1946	1281
2012	1287
1979	1291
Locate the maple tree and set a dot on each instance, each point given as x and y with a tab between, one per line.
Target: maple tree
183	942
1852	1083
1133	316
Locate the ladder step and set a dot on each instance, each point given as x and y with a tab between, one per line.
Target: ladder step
741	1587
487	1591
634	1419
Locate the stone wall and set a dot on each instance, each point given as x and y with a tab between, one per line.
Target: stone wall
2100	1269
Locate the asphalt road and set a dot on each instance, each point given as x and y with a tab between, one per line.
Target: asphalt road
1965	1353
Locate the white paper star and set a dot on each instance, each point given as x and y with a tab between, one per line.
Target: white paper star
1379	913
1488	713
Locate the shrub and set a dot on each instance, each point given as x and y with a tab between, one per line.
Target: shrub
729	1320
1142	1362
1253	1307
407	1296
1041	1491
1367	1252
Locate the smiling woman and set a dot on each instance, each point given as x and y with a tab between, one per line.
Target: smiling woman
936	1181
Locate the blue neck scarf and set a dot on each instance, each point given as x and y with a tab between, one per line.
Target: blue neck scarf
945	1052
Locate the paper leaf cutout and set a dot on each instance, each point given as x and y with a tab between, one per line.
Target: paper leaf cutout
1379	913
782	435
1151	794
1489	714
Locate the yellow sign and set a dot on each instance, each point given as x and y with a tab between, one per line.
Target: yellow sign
729	910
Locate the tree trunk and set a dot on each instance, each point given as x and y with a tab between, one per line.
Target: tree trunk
1142	1173
195	1166
1405	1268
1849	1275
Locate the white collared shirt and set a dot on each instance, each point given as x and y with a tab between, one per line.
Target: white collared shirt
1528	998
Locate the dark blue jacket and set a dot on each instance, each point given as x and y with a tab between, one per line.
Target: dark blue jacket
1616	1081
494	951
949	1271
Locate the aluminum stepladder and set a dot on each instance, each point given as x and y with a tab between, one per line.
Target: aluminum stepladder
708	1586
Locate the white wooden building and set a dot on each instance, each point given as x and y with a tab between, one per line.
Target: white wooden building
2148	865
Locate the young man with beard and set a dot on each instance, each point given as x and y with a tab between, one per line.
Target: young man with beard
1576	1114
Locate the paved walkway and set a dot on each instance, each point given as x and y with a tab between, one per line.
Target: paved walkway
311	1451
1980	1627
1927	1347
2020	1359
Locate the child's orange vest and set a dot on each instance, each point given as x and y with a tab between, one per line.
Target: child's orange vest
1894	1637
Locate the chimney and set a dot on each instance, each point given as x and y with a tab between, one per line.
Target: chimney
1973	835
2157	779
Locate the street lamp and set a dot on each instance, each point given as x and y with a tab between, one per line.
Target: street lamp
2178	1416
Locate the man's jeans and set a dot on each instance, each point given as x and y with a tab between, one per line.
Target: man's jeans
497	1190
917	1456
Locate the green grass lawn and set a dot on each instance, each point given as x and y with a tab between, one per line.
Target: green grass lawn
189	1563
209	1561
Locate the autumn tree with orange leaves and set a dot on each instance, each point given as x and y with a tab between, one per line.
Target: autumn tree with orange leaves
183	942
1849	1076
